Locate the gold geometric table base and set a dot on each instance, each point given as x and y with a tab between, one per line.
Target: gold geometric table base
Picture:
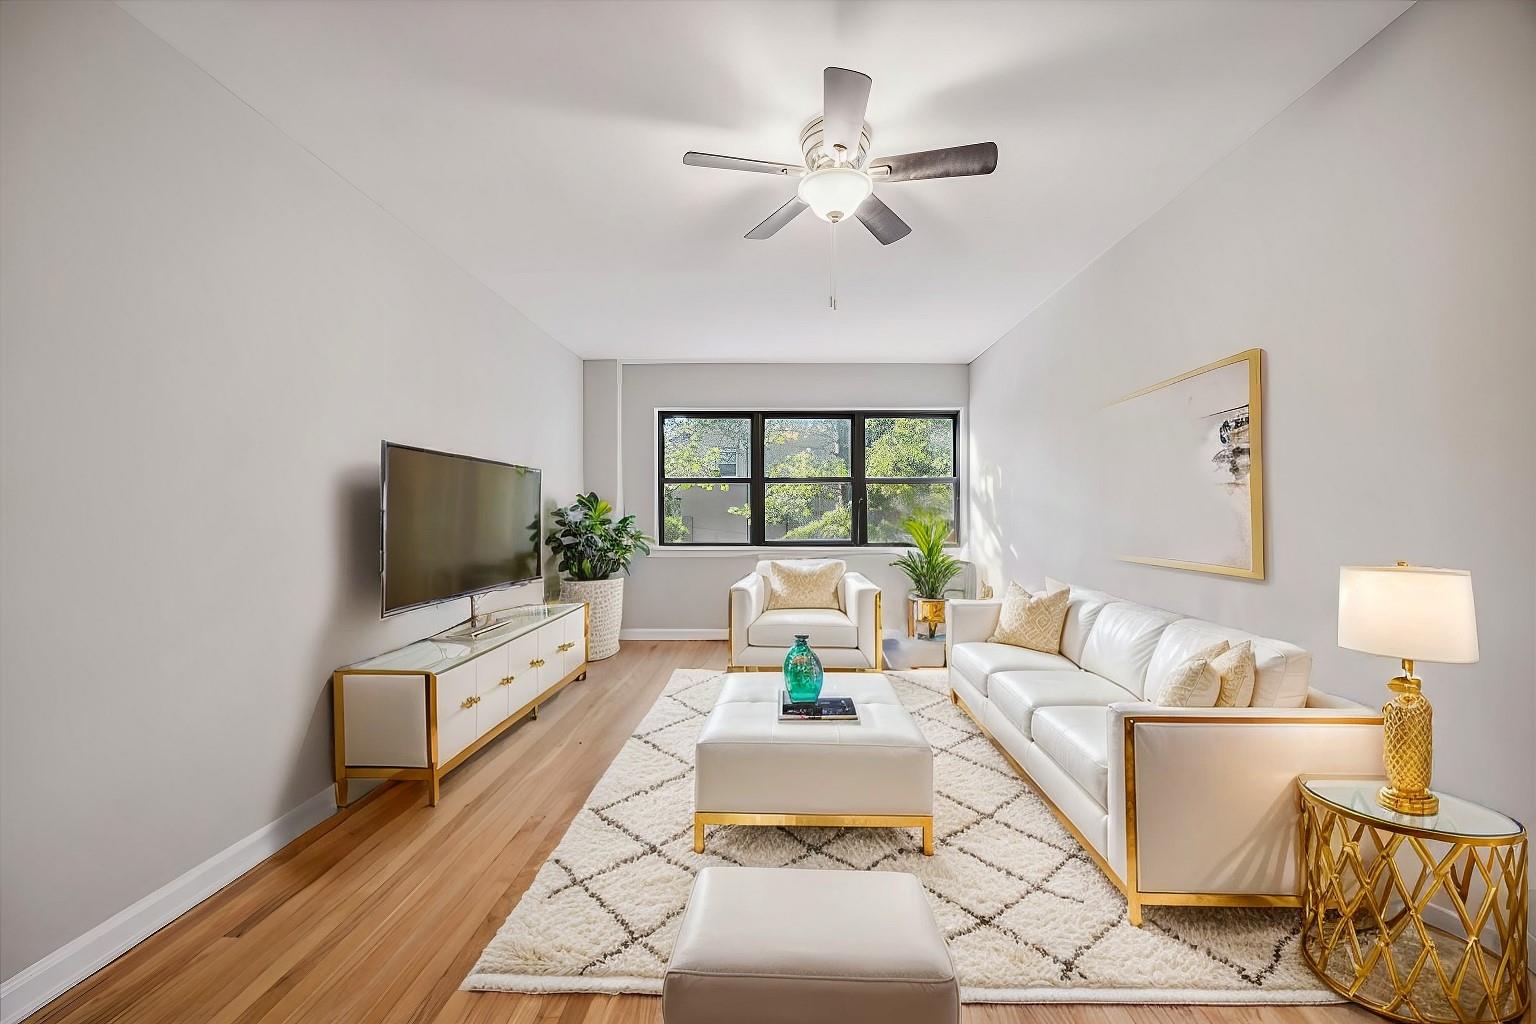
1366	887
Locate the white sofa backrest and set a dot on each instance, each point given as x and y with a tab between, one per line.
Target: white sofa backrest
1121	643
1283	669
1083	609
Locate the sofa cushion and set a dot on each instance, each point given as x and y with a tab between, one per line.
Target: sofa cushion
828	627
1077	739
805	583
1018	695
1281	669
1121	644
1192	683
1032	621
1083	608
977	661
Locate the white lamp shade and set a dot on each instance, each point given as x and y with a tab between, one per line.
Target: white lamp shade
1408	611
833	193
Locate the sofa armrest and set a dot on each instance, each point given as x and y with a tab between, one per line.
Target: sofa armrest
861	600
969	621
748	599
1204	799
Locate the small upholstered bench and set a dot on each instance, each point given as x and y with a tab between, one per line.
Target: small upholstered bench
752	769
769	945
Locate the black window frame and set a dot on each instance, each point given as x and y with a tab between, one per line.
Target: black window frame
757	481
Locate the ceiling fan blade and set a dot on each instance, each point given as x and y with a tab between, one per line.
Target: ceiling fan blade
954	162
741	163
845	95
777	219
882	221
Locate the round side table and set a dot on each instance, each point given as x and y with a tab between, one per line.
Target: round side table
1418	918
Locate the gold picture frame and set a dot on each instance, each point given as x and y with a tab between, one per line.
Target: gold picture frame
1248	452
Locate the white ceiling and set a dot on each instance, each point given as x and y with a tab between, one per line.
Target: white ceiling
539	146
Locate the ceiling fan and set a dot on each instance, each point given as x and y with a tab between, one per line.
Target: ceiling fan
839	178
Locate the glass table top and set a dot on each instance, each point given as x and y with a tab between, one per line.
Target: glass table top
1456	817
453	647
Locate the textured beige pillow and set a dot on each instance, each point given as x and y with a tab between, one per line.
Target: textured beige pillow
1193	683
1032	621
808	584
1238	673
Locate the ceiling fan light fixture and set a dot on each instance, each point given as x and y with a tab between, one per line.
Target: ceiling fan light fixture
833	193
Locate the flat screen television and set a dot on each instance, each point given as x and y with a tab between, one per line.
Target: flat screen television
454	525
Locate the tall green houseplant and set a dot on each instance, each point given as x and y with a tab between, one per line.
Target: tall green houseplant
929	567
591	548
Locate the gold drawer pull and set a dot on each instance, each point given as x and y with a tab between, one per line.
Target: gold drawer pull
470	702
536	663
507	680
566	647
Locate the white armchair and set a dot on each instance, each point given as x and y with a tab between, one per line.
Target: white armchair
847	639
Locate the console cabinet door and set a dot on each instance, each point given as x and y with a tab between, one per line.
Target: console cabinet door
521	653
456	690
574	640
491	687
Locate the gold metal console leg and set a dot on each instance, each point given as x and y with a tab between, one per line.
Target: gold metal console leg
698	835
928	839
432	790
341	792
534	714
1133	910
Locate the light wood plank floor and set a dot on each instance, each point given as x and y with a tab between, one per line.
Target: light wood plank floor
378	914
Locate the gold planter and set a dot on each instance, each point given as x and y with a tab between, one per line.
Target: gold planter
924	611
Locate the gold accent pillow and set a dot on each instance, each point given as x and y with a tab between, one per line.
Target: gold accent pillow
807	584
1032	621
1193	683
1238	673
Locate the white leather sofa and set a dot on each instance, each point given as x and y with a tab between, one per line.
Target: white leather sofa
1181	806
845	639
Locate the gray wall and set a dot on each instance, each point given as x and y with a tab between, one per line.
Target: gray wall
1376	240
204	334
688	591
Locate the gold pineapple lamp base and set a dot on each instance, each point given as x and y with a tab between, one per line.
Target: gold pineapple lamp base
1408	747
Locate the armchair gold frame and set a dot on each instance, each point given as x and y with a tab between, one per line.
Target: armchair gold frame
1136	898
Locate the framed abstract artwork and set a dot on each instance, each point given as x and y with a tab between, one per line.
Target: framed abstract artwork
1189	457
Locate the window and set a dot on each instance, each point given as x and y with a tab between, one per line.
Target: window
804	478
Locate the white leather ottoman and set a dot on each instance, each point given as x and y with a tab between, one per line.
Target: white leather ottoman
752	769
769	945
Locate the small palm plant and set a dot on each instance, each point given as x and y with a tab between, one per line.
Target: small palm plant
929	566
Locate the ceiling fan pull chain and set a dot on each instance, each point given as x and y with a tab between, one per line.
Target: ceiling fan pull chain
832	269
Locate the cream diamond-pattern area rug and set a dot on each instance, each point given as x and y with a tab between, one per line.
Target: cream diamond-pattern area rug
1028	916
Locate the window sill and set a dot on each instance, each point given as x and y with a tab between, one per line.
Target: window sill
774	551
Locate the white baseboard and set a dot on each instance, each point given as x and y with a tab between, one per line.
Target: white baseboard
672	634
77	960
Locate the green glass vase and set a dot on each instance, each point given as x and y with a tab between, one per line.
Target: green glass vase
802	671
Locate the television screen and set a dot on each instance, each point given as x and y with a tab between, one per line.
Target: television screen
454	525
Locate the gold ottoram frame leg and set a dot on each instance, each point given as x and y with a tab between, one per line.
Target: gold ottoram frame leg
922	821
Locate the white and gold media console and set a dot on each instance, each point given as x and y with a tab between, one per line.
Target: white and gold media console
421	711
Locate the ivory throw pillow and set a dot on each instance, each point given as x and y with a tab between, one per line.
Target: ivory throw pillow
1032	621
1239	672
805	584
1193	683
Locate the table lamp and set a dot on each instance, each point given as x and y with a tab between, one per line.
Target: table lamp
1416	614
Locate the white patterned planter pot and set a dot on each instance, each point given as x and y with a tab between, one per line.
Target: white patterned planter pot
605	608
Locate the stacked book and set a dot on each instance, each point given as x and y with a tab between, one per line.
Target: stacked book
824	709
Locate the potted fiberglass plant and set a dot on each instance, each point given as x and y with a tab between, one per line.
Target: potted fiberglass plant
592	549
930	568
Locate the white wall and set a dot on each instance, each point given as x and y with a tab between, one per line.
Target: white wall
1378	241
205	334
688	591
